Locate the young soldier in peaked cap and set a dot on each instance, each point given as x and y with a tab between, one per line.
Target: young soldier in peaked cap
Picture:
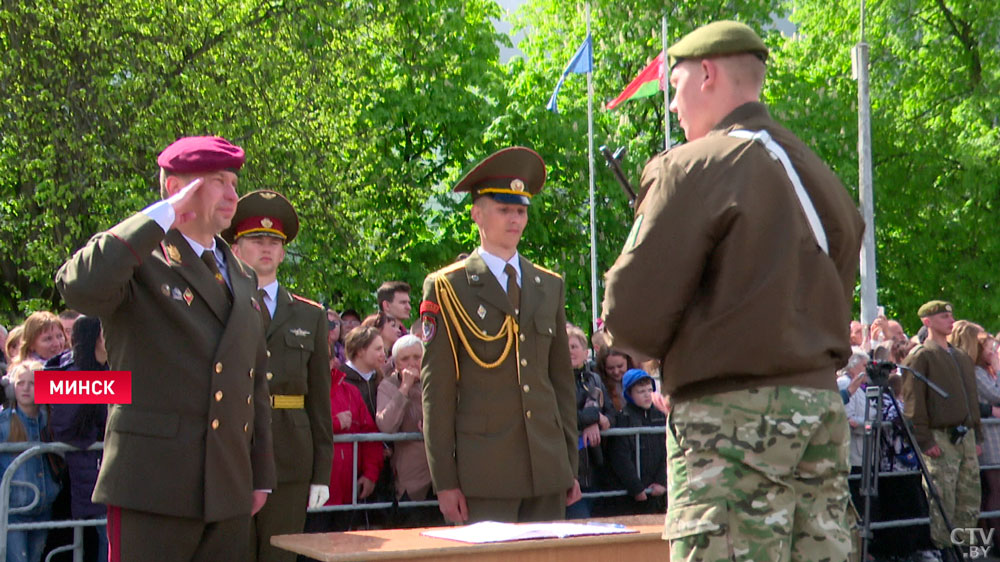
298	373
498	391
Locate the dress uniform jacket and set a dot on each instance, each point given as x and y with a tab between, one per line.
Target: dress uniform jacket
196	439
720	250
299	364
508	431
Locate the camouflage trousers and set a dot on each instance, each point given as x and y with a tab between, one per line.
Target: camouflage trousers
956	476
759	475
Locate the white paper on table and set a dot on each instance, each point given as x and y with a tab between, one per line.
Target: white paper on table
493	531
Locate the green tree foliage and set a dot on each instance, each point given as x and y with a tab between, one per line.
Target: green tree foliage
365	114
358	111
934	78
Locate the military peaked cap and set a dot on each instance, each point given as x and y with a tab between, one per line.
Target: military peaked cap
933	307
263	213
512	175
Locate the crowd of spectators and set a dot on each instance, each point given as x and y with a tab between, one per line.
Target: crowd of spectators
375	370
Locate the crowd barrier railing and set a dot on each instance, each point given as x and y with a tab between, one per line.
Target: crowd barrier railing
25	451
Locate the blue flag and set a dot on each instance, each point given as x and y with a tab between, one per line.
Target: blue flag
583	62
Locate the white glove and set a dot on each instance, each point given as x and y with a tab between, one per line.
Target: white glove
318	494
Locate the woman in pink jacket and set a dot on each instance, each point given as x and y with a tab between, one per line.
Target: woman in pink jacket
399	409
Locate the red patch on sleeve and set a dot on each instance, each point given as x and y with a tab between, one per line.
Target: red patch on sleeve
428	306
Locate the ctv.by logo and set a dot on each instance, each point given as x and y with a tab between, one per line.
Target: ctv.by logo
978	541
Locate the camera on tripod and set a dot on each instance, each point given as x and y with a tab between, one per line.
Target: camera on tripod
878	372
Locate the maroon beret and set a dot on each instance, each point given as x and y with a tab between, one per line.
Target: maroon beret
190	155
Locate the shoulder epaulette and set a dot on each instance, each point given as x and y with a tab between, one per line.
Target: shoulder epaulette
450	268
549	271
307	301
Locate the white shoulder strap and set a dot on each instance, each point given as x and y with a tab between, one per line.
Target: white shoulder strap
779	154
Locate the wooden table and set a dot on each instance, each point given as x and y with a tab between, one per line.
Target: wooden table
409	544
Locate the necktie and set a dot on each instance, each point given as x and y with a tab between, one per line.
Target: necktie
209	258
513	289
265	314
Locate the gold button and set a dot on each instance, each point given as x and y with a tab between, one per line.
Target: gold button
269	353
218	396
251	372
526	388
215	424
270	375
528	414
249	399
246	427
218	367
550	330
522	337
524	362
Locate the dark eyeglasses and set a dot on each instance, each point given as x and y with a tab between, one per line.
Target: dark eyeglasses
333	323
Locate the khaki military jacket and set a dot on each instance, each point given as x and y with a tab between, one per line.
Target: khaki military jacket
721	276
956	375
508	431
196	439
299	365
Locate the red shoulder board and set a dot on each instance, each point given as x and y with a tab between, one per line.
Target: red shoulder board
429	306
307	301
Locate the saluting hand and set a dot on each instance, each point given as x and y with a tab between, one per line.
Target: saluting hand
182	202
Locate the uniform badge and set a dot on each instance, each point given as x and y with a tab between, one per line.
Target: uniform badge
176	294
268	195
481	311
165	289
299	332
256	306
219	278
188	296
428	328
266	222
517	185
173	253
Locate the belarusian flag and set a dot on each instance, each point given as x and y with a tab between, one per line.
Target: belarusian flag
646	84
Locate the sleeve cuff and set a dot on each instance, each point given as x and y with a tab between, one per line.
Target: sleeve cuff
162	212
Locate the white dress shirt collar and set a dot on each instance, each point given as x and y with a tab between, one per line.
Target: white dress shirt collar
496	265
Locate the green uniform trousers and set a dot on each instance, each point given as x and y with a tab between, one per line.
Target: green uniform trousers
139	536
284	513
760	475
956	476
550	507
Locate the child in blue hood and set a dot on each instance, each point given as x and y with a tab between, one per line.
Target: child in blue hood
646	483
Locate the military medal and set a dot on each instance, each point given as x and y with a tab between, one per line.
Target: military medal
165	289
188	296
176	294
173	253
481	312
299	332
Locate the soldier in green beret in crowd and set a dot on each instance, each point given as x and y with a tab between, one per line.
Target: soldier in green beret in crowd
741	223
947	430
298	373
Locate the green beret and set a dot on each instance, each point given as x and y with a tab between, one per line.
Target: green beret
716	39
933	307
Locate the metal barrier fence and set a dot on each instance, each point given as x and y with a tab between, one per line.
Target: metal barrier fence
30	449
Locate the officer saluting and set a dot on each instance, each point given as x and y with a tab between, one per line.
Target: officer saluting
189	460
498	391
298	373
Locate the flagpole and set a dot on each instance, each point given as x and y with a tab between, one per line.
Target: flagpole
590	157
665	84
